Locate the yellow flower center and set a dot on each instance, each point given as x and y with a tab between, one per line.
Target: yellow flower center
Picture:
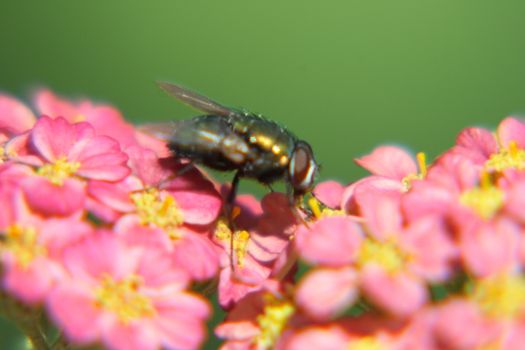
22	242
502	296
272	321
485	200
79	118
159	211
319	213
58	171
422	164
365	343
124	299
386	254
511	157
239	243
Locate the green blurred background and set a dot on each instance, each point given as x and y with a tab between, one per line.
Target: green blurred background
344	75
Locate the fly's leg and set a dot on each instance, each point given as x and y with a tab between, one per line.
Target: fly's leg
296	204
228	208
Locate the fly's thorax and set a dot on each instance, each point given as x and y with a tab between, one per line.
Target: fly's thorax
302	168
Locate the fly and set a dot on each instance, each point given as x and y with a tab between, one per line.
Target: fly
230	139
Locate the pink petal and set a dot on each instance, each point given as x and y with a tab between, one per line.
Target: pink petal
15	116
399	294
115	195
511	129
329	193
183	332
99	254
72	308
231	289
55	138
332	241
477	144
324	293
389	161
491	248
196	197
100	158
380	208
183	303
432	252
108	121
49	104
135	336
196	254
50	199
331	337
455	316
31	284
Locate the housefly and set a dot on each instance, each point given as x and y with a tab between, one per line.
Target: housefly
230	139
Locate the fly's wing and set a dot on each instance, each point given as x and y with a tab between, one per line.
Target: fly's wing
195	100
163	130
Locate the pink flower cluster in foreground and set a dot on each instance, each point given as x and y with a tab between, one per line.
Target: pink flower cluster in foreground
98	228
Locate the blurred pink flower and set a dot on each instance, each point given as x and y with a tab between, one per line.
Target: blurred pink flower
503	152
493	307
15	118
365	332
395	164
64	155
261	238
105	119
127	296
256	322
31	246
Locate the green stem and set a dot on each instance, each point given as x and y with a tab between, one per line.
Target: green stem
27	319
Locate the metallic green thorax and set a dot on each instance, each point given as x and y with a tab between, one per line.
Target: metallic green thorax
257	147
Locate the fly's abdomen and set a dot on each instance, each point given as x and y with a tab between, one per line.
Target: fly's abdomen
210	141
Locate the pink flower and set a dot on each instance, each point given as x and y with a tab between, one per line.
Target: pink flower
395	164
128	297
31	246
15	118
105	119
502	153
365	332
65	155
261	238
194	196
493	309
256	322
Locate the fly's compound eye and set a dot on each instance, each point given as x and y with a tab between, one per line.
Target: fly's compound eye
302	167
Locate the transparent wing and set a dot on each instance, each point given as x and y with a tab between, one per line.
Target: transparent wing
163	130
195	100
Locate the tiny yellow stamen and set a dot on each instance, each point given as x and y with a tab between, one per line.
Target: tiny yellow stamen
22	242
365	343
58	171
272	321
240	240
485	200
502	296
386	254
124	299
159	211
315	206
240	245
422	165
511	157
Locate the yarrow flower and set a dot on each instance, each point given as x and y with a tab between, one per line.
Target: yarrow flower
120	243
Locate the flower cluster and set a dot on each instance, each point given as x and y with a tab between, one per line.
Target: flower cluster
120	243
